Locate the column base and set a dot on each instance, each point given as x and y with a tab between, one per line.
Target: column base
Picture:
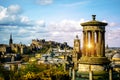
98	71
94	60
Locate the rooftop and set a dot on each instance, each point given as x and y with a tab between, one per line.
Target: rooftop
94	22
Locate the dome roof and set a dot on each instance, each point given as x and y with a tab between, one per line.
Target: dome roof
116	56
94	22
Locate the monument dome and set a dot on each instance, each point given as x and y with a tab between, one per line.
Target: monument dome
116	56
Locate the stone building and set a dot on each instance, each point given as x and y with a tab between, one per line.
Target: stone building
114	68
116	62
11	48
76	52
93	63
15	48
3	48
37	43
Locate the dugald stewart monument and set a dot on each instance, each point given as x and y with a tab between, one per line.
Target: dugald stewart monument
93	61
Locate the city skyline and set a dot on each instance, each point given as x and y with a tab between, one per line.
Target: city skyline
56	20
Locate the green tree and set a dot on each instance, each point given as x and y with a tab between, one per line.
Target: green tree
5	74
41	72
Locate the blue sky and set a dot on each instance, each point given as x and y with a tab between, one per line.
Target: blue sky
57	20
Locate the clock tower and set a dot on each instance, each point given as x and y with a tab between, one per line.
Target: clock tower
77	44
76	52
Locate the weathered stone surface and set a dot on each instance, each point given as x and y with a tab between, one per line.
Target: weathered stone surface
94	60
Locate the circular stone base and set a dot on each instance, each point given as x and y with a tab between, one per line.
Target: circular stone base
94	68
94	60
98	71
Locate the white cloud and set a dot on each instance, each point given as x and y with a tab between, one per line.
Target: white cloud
2	12
104	21
76	3
44	2
65	26
22	31
65	30
113	24
112	37
11	16
20	26
40	23
14	9
25	19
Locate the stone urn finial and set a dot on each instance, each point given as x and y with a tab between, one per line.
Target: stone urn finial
93	17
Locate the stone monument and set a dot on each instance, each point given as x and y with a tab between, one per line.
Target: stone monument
93	60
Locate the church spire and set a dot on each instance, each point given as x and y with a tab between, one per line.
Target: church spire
10	41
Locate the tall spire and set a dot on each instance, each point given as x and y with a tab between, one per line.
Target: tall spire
11	36
10	41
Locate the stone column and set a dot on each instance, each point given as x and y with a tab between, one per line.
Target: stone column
73	74
70	72
100	40
103	44
98	50
90	73
110	74
99	43
86	42
93	44
90	42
